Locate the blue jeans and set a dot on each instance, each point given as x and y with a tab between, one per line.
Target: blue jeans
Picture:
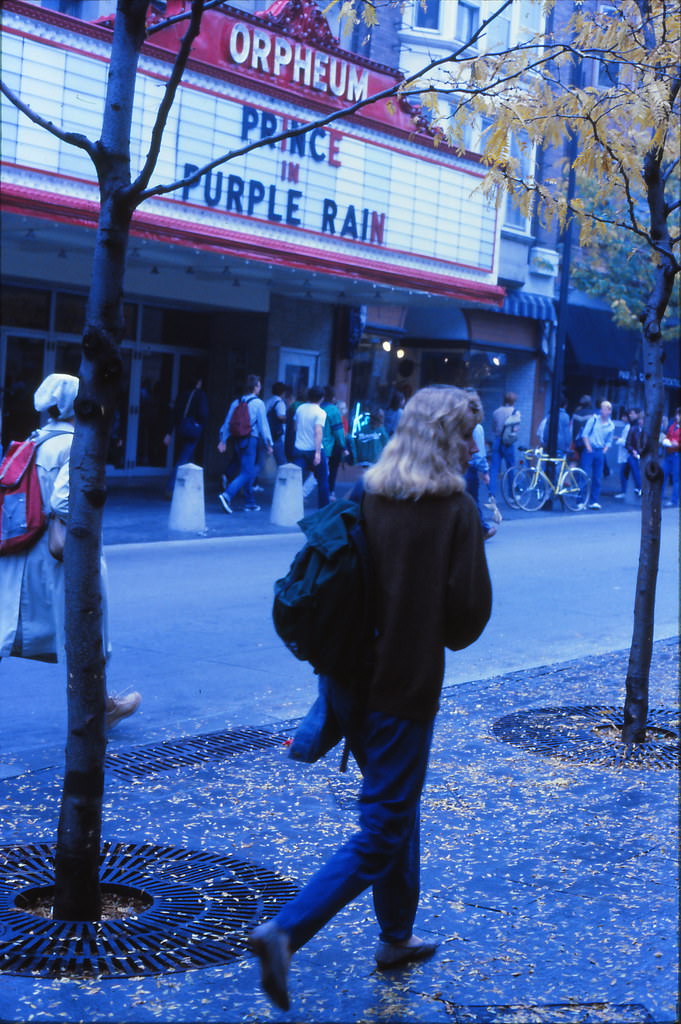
592	463
392	754
635	466
671	472
279	451
473	488
320	472
247	448
499	451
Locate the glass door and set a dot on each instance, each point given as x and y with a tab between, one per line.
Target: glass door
24	371
154	408
298	369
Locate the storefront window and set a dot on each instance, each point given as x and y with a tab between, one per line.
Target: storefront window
185	327
25	307
70	315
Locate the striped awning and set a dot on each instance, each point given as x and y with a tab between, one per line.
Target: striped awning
527	304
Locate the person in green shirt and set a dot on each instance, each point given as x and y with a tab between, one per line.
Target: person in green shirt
333	438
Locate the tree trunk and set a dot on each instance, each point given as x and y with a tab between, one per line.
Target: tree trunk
640	654
641	651
77	890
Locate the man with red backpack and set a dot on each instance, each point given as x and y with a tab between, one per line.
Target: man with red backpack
31	578
246	424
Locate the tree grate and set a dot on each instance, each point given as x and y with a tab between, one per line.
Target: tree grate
168	755
552	1013
590	734
198	910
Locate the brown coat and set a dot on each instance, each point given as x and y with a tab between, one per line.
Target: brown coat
433	591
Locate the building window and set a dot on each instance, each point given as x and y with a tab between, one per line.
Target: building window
467	21
514	218
498	35
72	7
607	74
427	15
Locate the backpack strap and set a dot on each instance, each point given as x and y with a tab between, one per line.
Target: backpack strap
189	402
589	425
37	441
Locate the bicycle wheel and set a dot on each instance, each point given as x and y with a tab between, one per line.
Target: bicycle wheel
530	489
507	487
575	490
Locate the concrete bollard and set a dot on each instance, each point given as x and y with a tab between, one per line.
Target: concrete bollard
287	500
187	509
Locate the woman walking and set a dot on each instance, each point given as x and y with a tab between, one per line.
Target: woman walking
432	591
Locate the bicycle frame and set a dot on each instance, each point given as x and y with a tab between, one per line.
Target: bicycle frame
532	487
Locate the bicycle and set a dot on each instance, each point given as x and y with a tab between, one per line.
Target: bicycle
526	458
532	487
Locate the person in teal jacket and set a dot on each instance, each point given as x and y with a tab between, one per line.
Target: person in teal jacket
333	438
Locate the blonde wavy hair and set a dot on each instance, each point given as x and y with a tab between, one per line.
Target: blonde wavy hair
428	453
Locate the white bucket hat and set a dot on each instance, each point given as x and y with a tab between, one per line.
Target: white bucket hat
58	389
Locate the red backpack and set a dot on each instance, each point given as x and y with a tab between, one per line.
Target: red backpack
22	520
240	420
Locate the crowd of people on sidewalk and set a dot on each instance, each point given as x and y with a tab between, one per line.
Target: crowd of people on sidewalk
585	438
312	432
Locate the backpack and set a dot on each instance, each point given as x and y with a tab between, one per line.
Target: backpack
276	426
322	607
511	428
22	520
586	431
240	420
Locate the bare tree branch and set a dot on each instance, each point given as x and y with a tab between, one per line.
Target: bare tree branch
72	138
165	106
167	22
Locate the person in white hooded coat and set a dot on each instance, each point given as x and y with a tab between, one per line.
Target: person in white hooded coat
32	581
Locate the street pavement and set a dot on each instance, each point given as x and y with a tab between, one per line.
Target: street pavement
550	880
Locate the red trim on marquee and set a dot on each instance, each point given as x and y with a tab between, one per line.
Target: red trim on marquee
73	210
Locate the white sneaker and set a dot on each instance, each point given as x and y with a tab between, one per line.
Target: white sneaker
224	501
121	707
594	504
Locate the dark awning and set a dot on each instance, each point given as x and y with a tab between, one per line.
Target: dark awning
594	340
530	305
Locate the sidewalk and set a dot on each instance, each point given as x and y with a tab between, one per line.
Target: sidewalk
137	511
550	882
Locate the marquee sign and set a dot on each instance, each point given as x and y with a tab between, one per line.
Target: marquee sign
347	190
290	47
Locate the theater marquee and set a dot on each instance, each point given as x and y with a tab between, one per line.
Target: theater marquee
365	191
